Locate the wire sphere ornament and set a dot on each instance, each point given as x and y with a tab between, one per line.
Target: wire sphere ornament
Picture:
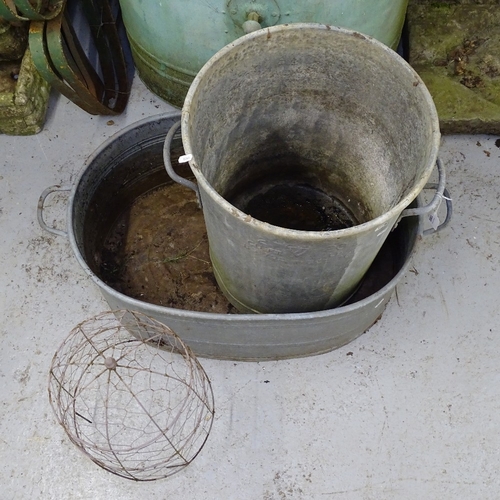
131	395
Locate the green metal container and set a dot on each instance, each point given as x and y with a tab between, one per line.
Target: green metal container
172	39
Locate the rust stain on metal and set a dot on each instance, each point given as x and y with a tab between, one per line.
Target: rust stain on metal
358	35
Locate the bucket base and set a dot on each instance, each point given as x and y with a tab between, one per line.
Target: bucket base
298	199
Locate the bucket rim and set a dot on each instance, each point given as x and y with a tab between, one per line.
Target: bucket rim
382	220
173	115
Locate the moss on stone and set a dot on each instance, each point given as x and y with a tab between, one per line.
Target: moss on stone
24	97
456	51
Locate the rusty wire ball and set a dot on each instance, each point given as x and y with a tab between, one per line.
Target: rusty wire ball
131	395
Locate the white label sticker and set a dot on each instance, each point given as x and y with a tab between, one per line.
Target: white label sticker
185	158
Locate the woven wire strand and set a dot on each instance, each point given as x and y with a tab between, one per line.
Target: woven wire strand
131	395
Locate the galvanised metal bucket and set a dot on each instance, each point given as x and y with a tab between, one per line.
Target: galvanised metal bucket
137	151
172	39
311	105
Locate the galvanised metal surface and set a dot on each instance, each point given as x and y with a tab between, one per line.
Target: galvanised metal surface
172	39
223	336
337	110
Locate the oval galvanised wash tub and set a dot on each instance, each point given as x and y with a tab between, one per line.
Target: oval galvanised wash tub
172	39
139	147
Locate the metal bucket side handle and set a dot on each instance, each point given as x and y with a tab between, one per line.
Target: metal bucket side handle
431	209
40	208
168	164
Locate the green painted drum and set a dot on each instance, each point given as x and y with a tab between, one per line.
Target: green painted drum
172	39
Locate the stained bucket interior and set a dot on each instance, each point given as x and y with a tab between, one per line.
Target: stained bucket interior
299	107
304	119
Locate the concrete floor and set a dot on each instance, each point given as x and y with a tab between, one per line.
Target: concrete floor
410	410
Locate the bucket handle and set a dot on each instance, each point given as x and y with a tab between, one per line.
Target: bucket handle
168	164
40	208
432	208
